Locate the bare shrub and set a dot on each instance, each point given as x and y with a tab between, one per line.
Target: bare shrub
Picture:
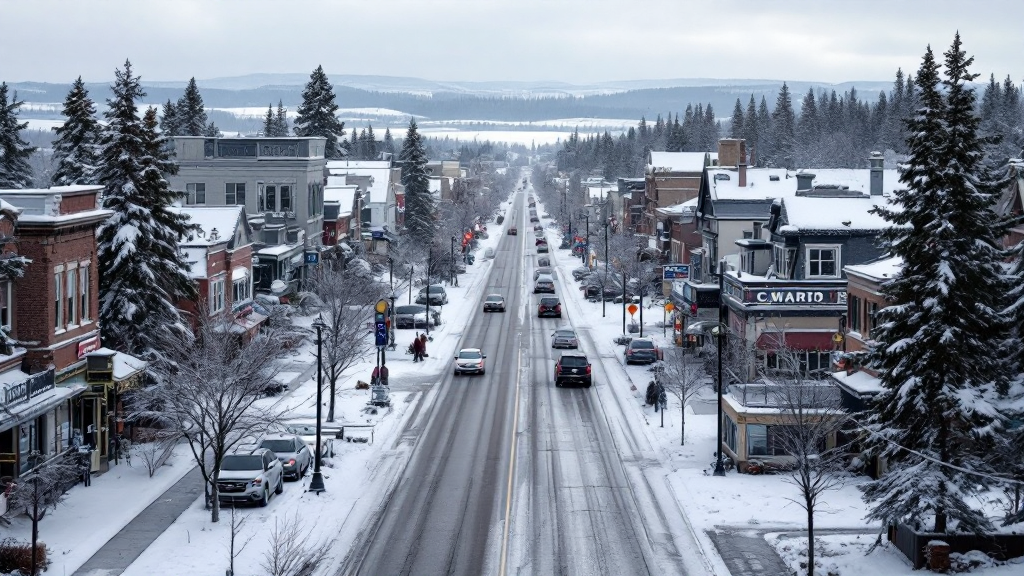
291	551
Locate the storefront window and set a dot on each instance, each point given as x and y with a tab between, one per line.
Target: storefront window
731	433
757	440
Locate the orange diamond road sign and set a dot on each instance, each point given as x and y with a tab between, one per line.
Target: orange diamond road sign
632	309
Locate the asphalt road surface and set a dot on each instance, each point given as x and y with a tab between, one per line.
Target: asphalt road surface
576	500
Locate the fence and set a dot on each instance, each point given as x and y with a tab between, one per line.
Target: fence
912	544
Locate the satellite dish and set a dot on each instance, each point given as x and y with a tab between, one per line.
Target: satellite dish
278	287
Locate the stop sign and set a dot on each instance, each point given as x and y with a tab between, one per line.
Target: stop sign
632	309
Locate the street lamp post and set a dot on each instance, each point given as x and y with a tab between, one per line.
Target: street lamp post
451	280
430	257
586	249
316	484
606	267
720	333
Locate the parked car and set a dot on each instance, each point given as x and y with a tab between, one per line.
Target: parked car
249	475
580	273
544	284
533	218
513	231
573	368
437	295
564	338
415	316
470	361
293	453
542	270
488	253
538	229
542	248
543	261
642	350
549	306
494	303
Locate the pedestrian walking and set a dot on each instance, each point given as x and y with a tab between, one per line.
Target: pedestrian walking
423	345
417	349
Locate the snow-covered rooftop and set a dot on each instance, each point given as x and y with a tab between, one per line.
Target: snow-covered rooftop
222	218
345	196
378	171
680	161
125	365
802	213
880	270
859	382
781	183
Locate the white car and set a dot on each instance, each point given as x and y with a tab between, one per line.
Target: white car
470	361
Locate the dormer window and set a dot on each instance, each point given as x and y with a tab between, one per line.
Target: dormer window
822	261
782	260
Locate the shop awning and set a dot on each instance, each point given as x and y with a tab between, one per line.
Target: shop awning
795	340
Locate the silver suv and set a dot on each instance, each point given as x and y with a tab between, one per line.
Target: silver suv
248	476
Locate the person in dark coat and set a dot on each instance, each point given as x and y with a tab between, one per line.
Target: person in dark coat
417	350
423	345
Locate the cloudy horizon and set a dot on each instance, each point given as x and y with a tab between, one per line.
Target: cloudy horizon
573	41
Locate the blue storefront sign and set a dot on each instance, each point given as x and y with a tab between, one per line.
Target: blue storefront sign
676	271
312	257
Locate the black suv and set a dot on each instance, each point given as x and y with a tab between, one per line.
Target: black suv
573	367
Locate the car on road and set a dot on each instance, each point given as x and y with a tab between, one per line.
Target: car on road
544	284
573	368
249	475
549	306
415	316
642	350
470	361
564	338
543	261
435	293
294	454
543	270
513	231
494	303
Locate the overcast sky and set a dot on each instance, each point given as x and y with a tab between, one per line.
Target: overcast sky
576	41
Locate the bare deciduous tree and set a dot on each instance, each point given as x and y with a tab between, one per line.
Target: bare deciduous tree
156	448
40	491
291	551
207	391
683	375
348	297
813	415
233	549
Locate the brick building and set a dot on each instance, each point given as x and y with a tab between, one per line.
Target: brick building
53	308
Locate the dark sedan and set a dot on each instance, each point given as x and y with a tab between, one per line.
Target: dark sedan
642	350
415	316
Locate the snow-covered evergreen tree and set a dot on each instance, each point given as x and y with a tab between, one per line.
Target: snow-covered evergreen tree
939	345
192	120
15	171
281	120
142	274
736	128
419	202
317	115
75	152
170	124
389	142
269	124
370	144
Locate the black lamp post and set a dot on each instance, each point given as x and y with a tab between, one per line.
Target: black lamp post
586	249
316	484
430	259
451	280
606	267
720	333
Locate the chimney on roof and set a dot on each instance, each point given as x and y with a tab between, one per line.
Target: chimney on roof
804	181
877	163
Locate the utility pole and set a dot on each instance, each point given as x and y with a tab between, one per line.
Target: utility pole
606	267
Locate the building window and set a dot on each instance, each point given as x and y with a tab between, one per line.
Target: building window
216	296
822	262
5	304
83	291
872	317
234	193
854	314
764	440
783	260
286	199
196	193
241	290
71	295
271	199
58	293
261	197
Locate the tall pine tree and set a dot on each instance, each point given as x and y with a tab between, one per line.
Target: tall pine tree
170	125
15	171
281	120
317	115
75	150
938	346
142	274
420	207
192	120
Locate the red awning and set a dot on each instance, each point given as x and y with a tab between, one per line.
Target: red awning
795	340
